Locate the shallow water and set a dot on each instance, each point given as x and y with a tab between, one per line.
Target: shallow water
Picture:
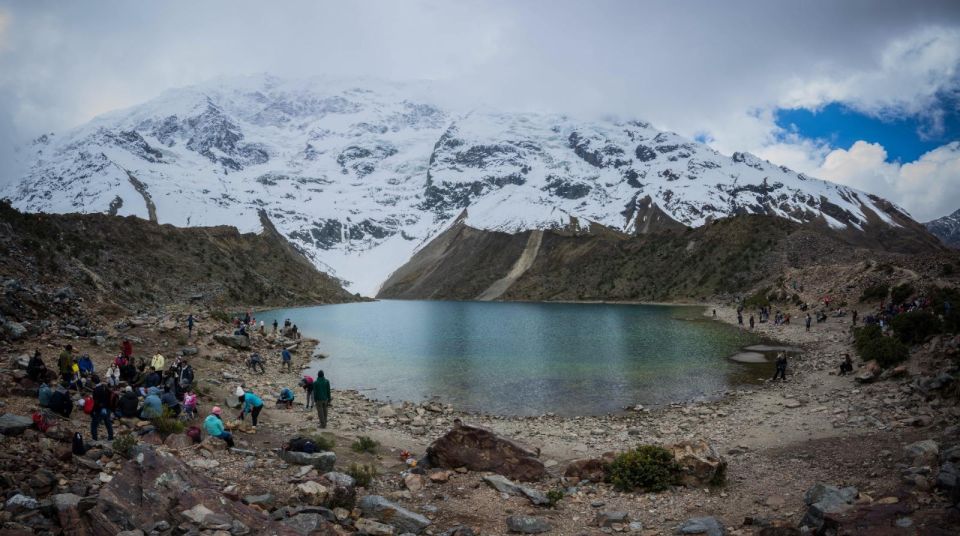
526	358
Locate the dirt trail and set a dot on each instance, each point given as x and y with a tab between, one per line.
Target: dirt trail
524	262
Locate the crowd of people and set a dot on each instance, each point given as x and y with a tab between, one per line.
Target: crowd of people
135	387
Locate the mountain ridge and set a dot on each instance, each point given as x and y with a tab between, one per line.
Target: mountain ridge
360	178
947	229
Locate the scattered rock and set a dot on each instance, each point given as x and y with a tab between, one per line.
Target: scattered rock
527	525
373	528
237	342
380	509
592	469
313	492
479	449
607	519
385	412
708	526
700	463
504	485
12	425
322	461
823	501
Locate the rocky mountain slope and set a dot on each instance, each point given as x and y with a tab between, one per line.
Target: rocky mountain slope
109	261
725	257
947	229
360	175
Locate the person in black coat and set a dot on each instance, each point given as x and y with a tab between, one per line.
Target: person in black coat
129	401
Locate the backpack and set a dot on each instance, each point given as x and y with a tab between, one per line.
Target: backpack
79	449
44	395
302	444
40	422
88	405
194	433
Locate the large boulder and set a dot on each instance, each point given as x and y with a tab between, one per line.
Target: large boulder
13	331
12	425
377	508
700	463
323	461
237	342
156	486
592	469
705	526
479	449
824	503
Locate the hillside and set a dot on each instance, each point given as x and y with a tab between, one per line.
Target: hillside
136	264
723	258
947	229
360	174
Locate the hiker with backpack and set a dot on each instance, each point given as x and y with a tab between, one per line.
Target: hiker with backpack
101	409
252	405
321	397
213	425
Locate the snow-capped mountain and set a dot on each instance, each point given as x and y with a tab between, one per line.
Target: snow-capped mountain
947	229
360	174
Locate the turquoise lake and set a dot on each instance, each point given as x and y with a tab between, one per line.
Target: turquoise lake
526	358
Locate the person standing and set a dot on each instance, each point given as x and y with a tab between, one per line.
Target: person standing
126	349
808	320
321	397
101	409
157	362
65	364
274	325
781	371
854	315
213	424
751	321
307	384
190	325
286	358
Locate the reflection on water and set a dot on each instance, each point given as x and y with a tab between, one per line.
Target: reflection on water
526	358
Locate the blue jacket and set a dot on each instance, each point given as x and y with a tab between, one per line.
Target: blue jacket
85	364
213	425
286	394
152	408
250	401
285	354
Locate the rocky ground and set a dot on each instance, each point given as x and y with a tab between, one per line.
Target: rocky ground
778	439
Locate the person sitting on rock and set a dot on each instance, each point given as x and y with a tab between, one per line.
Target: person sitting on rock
127	406
213	425
847	366
170	402
285	398
85	365
37	370
113	375
152	406
153	379
252	405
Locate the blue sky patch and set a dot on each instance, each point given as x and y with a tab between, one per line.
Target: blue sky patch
841	126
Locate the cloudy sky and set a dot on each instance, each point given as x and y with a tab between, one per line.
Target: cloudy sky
865	93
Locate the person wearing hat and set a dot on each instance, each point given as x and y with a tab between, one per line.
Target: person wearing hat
321	397
213	425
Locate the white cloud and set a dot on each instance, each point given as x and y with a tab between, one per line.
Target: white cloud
928	188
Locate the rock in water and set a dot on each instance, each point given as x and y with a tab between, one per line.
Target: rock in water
172	487
708	526
13	425
527	525
237	342
479	449
700	463
323	461
380	509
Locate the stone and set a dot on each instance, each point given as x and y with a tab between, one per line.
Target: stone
322	461
20	502
527	525
440	476
373	528
386	412
459	530
13	331
14	425
592	469
700	463
213	444
201	463
308	523
607	519
414	482
343	491
68	509
791	403
708	526
380	509
313	492
504	485
823	502
479	449
924	452
178	441
265	499
173	488
237	342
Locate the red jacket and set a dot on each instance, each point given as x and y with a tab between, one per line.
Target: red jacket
127	349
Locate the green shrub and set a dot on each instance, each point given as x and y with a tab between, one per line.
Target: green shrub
871	344
760	299
646	468
553	497
875	293
365	444
362	474
323	442
914	327
901	293
167	424
124	443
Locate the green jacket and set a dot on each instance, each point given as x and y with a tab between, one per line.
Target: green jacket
65	362
321	390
